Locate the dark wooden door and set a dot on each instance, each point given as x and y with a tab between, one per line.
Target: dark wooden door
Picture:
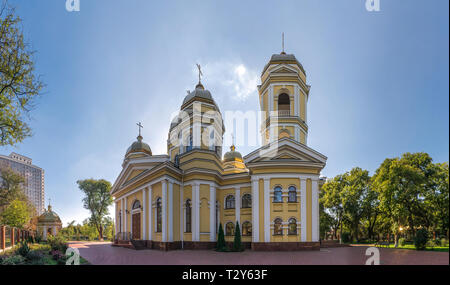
136	226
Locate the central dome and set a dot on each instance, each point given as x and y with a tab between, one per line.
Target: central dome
199	92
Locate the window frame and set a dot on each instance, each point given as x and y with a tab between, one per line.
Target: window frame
276	190
294	191
278	222
227	206
249	202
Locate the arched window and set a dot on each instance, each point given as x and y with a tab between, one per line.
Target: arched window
292	194
211	140
188	216
158	215
189	146
278	195
229	202
292	229
278	227
180	141
229	229
246	201
247	229
284	106
136	205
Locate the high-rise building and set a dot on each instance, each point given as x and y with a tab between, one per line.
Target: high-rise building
34	177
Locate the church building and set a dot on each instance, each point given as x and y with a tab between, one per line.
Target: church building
177	200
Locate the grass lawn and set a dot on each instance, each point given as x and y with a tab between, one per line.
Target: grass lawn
412	247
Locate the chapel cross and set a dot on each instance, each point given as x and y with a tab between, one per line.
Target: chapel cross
140	127
49	200
199	72
282	42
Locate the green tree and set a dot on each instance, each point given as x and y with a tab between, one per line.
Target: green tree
403	185
237	243
19	85
11	186
438	199
97	200
356	189
331	200
220	239
17	214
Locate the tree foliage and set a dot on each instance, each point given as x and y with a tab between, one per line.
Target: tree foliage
97	200
405	194
17	214
11	186
19	85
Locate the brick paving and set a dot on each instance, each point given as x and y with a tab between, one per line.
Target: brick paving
105	254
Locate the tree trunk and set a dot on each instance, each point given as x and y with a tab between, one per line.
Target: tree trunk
100	233
340	234
395	240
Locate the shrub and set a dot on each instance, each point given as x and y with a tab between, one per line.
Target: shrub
346	237
444	242
421	238
56	254
221	239
237	243
57	243
401	241
24	249
35	255
14	260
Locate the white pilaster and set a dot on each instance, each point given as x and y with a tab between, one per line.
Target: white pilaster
164	211
182	211
150	212
297	101
45	232
303	209
255	210
315	210
212	212
54	231
266	209
116	211
170	212
237	199
144	213
196	212
122	207
126	217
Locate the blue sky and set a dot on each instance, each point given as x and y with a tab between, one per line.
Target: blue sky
379	79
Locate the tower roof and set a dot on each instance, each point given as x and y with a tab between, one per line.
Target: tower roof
283	58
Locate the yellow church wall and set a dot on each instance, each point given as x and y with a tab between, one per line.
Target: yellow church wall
302	138
302	106
293	169
204	209
308	210
285	210
176	212
187	194
156	193
261	209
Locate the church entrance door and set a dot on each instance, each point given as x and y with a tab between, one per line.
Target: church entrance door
136	225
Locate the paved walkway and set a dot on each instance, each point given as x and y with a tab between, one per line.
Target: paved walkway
104	253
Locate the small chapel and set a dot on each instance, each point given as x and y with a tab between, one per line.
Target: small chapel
178	199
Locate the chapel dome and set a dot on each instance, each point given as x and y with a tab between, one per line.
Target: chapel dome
232	155
49	216
139	146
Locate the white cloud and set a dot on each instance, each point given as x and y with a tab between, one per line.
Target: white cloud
239	79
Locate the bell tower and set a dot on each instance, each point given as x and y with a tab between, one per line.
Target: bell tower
283	97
